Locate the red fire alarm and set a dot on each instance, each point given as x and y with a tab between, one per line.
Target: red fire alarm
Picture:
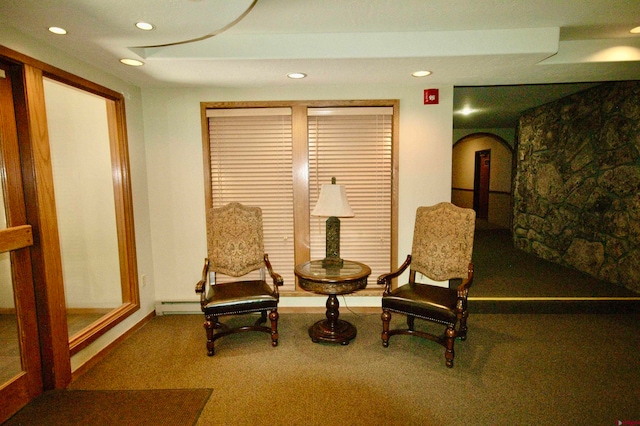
431	96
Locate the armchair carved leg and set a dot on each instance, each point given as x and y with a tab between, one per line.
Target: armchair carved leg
450	336
462	333
209	325
273	316
411	322
386	319
262	319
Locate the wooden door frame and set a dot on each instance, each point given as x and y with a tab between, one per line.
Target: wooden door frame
481	192
32	128
17	238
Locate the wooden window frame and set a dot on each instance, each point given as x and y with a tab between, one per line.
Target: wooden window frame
300	167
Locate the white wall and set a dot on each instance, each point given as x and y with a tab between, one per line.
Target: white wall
85	204
176	178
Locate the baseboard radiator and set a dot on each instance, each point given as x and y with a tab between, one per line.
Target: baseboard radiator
294	303
178	307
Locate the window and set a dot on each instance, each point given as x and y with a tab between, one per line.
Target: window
354	145
277	156
250	153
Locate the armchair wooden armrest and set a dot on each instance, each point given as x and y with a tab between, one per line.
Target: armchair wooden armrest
277	278
202	284
385	279
463	288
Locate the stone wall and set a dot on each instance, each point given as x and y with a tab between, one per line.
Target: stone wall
577	182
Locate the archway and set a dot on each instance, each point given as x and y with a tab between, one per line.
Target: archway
495	208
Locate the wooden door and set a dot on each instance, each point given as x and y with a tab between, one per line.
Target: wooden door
481	184
20	372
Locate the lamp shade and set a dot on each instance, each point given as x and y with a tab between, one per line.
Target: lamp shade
332	202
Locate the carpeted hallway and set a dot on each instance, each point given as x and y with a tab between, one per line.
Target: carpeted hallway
504	271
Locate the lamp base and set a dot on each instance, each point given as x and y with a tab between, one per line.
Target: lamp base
332	255
332	262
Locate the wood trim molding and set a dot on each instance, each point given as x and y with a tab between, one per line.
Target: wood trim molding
16	237
59	74
490	191
54	343
302	243
86	336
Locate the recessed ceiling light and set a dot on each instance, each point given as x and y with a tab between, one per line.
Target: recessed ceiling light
635	30
296	75
421	73
145	26
132	62
58	30
467	111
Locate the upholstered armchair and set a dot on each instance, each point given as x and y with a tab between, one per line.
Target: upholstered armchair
442	249
235	249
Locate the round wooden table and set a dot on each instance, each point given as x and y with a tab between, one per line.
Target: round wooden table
352	276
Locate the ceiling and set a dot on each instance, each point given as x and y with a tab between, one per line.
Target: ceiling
501	106
500	55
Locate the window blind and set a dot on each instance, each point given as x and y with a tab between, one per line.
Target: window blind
354	144
251	163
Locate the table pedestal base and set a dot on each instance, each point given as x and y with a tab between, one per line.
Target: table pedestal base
332	329
342	332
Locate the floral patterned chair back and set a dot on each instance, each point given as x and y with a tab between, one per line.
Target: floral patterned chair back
443	241
235	239
235	248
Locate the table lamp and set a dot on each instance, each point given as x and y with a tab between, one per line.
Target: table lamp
333	204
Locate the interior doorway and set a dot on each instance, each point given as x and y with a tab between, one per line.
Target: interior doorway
481	183
482	165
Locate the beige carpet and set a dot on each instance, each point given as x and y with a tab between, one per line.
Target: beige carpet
151	407
512	370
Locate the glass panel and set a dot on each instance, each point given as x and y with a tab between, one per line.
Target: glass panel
10	363
85	203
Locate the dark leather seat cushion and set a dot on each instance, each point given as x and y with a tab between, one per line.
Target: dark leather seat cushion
240	296
426	301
